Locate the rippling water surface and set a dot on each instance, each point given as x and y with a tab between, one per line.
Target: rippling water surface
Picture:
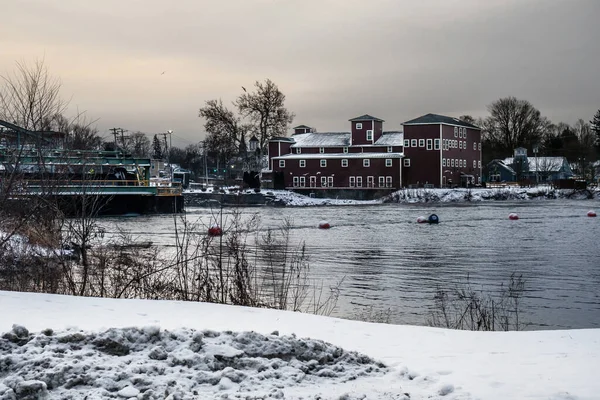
389	262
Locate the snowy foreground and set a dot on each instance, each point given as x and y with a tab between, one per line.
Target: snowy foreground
62	347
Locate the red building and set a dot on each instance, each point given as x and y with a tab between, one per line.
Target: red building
441	151
366	158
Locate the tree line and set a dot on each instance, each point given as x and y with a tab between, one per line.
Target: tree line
516	123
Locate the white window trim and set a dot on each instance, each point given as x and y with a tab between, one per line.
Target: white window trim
421	142
455	131
443	162
389	162
321	150
366	162
295	181
302	181
436	144
281	163
359	181
345	150
460	144
344	162
352	181
370	181
330	181
359	125
407	162
388	181
390	149
429	144
406	142
323	163
302	163
370	134
298	150
413	142
323	181
382	181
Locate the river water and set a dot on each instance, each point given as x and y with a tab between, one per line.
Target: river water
393	266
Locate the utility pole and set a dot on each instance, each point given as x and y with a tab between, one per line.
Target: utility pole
115	134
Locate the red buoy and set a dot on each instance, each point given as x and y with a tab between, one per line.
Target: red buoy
591	213
324	225
421	220
215	230
513	216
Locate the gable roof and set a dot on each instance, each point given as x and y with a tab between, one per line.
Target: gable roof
302	127
391	138
435	119
541	164
366	117
501	164
322	139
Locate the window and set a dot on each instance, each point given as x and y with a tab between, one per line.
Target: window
302	181
460	132
465	144
302	163
465	133
359	125
352	181
359	181
390	149
460	144
446	144
370	135
295	180
382	181
313	181
452	162
479	164
421	142
281	163
388	181
323	181
370	181
455	131
344	162
366	162
323	163
474	164
429	144
321	150
443	162
407	162
388	162
413	143
479	146
345	150
406	143
474	146
298	150
436	144
330	181
478	179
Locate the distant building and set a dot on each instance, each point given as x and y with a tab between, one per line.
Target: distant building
366	158
441	151
538	169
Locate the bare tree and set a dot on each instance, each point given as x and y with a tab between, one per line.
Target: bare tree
225	131
514	123
139	145
586	151
266	110
30	96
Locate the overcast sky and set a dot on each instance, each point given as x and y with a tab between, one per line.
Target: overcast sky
333	59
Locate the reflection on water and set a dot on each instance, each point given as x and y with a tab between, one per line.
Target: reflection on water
388	261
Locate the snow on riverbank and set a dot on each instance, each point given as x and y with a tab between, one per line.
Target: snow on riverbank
438	195
178	347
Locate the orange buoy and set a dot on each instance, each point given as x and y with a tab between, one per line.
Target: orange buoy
591	213
215	230
513	216
421	220
324	225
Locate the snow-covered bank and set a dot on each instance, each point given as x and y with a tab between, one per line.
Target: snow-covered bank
440	195
423	362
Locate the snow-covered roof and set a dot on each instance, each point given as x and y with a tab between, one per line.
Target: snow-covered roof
504	165
391	139
324	156
343	139
323	139
540	164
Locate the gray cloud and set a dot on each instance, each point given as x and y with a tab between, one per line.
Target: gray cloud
334	59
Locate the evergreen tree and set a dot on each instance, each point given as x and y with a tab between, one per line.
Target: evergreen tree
595	124
158	153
